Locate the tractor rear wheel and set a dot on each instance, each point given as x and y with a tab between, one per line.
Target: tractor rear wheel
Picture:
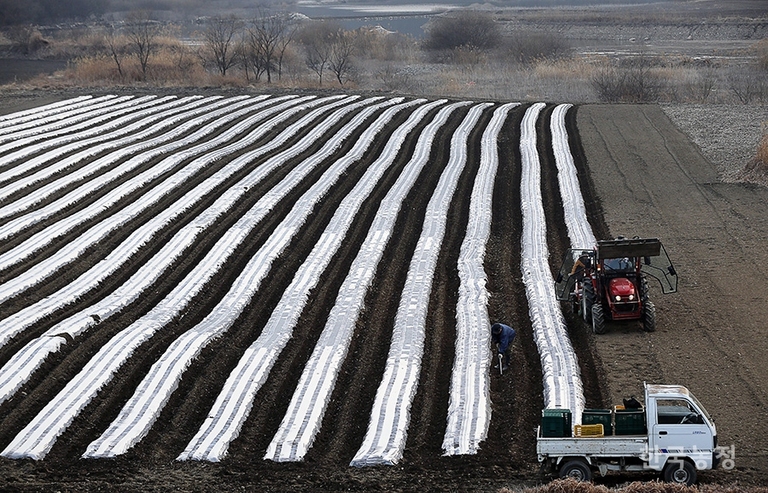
587	300
649	316
598	319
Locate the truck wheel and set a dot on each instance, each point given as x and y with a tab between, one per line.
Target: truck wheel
598	319
577	469
649	317
587	300
680	472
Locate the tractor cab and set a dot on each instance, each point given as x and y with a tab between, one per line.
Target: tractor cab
645	256
610	281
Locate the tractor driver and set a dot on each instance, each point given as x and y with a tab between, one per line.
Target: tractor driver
618	264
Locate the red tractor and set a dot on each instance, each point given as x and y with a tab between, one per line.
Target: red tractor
610	281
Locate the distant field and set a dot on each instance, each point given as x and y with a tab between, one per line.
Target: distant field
15	70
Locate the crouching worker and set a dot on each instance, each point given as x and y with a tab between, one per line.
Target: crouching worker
502	336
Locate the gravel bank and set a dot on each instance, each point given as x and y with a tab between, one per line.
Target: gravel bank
726	134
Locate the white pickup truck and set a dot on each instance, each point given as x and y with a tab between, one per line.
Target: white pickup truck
677	439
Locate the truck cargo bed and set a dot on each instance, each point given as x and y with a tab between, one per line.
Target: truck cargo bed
610	446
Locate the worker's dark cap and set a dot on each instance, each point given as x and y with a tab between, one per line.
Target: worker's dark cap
496	328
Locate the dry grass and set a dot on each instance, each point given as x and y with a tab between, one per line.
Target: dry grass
756	171
761	50
762	151
573	486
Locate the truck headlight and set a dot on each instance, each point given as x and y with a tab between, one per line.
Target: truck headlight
618	298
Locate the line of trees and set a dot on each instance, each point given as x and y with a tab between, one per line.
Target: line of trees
258	46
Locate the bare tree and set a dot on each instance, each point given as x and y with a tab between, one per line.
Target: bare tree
342	49
142	34
269	37
222	42
748	85
630	81
317	39
116	50
25	39
288	33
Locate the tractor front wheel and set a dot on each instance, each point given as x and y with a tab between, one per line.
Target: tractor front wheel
649	316
587	300
598	319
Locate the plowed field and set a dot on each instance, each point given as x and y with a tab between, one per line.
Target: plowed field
639	176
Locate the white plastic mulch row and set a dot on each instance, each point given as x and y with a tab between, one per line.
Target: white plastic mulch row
15	121
236	399
23	363
143	408
121	161
40	111
385	439
579	230
79	119
58	146
75	248
469	406
309	402
129	128
41	433
560	367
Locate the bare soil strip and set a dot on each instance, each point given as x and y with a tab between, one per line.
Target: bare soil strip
711	335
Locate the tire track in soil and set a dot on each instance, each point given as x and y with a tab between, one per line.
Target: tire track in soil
59	369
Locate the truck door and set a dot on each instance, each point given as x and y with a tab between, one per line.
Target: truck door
681	430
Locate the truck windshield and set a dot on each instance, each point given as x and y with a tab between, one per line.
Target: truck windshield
702	409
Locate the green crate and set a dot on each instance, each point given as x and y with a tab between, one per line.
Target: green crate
556	423
598	416
630	422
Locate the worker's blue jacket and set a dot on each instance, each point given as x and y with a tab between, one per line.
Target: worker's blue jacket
504	339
